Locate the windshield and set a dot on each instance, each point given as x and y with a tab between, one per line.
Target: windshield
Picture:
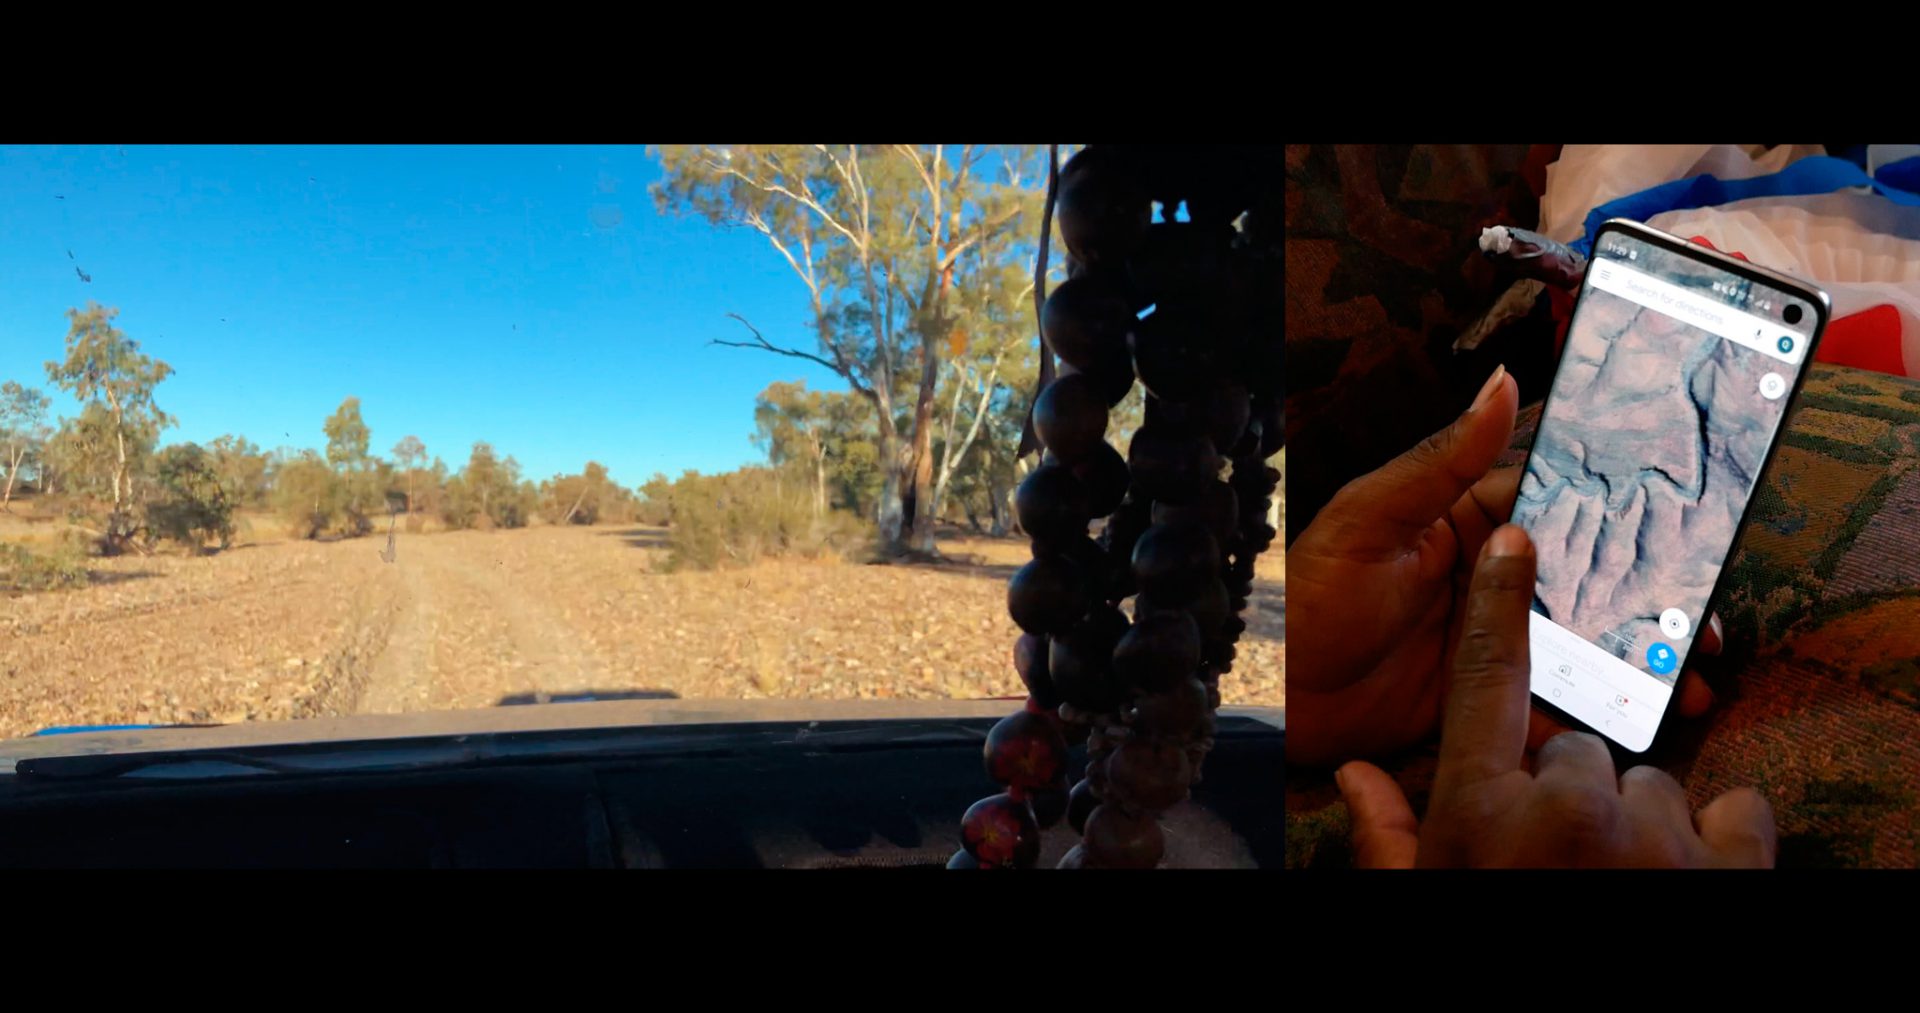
291	432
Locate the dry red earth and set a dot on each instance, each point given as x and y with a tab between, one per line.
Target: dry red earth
286	629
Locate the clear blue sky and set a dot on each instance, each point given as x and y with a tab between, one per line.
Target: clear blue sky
527	296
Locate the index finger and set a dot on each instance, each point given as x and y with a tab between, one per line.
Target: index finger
1385	511
1485	729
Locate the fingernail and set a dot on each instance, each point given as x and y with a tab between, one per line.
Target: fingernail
1340	780
1714	621
1486	391
1507	540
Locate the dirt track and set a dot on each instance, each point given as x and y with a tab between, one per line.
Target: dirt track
470	619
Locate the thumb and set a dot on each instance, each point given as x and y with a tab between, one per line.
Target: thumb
1385	512
1385	834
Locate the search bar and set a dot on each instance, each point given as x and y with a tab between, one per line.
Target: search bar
1690	307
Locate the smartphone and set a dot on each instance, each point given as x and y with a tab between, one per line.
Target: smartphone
1680	366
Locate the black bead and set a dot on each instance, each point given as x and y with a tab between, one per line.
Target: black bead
1161	648
1210	608
1179	260
1174	563
1049	804
1047	595
1051	503
1273	426
1086	320
1070	417
1222	412
1111	377
1081	661
1169	465
1172	353
1104	477
1102	206
1081	802
1216	508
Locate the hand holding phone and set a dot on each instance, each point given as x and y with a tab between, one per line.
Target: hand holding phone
1488	810
1677	376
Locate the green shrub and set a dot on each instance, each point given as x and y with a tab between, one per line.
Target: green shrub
742	516
22	570
189	506
308	495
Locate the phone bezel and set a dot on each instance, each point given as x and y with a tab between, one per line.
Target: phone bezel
1822	308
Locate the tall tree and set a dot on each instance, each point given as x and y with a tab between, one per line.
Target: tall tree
877	234
347	436
106	368
792	426
241	469
347	442
23	430
410	454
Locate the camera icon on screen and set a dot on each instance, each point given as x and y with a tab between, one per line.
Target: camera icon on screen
1786	344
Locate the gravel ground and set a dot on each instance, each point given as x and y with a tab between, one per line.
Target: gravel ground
286	629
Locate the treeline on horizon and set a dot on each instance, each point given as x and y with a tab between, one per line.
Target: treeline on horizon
108	467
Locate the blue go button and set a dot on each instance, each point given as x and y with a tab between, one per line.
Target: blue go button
1661	658
1786	344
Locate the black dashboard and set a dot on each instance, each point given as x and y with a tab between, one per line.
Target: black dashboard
884	794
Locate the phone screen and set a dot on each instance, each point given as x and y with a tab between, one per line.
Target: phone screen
1673	383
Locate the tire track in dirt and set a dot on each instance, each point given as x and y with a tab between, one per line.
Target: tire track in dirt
401	677
549	650
497	639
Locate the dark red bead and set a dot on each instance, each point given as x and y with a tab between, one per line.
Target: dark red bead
1000	832
1149	773
1026	751
1030	660
1119	839
1174	713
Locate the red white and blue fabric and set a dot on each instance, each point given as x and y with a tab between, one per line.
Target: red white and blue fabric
1823	219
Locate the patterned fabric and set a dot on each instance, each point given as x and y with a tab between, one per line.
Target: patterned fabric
1383	274
1819	688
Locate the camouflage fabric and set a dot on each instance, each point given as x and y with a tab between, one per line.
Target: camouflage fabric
1819	688
1383	273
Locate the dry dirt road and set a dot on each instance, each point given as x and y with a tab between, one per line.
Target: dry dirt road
287	629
